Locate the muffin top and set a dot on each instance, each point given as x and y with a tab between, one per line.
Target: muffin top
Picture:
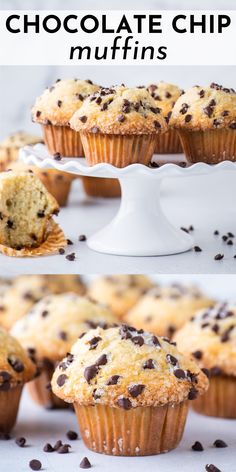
119	110
210	337
19	139
15	365
165	309
55	323
202	108
59	102
165	96
126	368
119	292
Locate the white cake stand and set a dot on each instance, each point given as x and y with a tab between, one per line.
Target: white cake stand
139	228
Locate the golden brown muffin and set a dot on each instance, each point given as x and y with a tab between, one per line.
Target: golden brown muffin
120	379
25	210
165	96
53	110
16	369
163	310
49	330
9	148
119	292
17	298
206	122
118	125
210	337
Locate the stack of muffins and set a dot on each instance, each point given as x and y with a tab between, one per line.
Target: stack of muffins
130	385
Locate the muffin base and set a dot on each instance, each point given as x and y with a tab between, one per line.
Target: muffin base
9	405
140	431
118	150
219	400
168	143
210	146
62	139
99	187
40	390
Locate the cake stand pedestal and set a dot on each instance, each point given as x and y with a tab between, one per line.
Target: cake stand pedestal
139	228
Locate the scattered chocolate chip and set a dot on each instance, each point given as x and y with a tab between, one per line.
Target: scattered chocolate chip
64	449
90	372
113	380
149	364
71	257
225	237
197	446
216	233
20	442
154	165
184	229
35	464
57	156
136	390
61	380
230	242
219	443
41	214
57	445
82	237
48	448
124	403
69	242
5	436
83	118
85	464
218	257
72	435
212	468
231	235
61	251
179	373
197	249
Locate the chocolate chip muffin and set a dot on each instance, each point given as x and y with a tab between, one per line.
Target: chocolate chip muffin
53	110
210	337
119	292
17	298
205	119
48	332
16	369
119	125
26	208
165	96
9	147
165	309
130	390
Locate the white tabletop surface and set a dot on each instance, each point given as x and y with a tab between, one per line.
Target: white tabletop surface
39	426
206	202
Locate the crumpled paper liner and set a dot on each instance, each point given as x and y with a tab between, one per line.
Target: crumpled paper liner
55	239
139	431
168	143
219	400
9	404
62	139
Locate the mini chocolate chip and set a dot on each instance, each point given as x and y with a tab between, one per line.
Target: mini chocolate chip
57	156
197	446
206	372
62	335
197	354
113	380
83	118
230	242
149	364
72	435
85	464
184	108
155	341
16	364
197	249
90	372
59	103
219	443
57	445
102	360
61	251
121	118
215	371
94	342
124	403
61	380
136	390
82	237
35	464
48	448
10	224
188	118
179	373
20	442
41	214
71	257
212	468
233	125
157	125
171	359
38	113
193	393
216	233
218	257
44	313
202	93
138	340
64	449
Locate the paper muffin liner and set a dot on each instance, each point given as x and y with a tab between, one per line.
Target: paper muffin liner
118	150
55	239
99	187
168	143
9	405
57	183
40	388
140	431
210	146
219	400
7	155
62	139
